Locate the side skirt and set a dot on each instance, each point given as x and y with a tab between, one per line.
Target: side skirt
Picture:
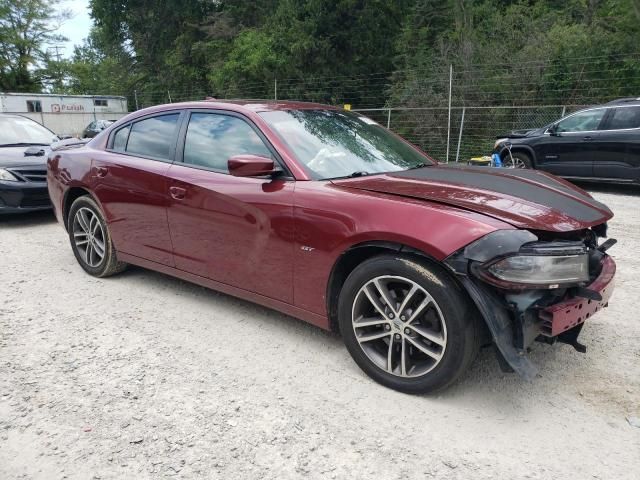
623	181
307	316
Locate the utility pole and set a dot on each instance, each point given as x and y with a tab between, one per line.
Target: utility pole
449	121
57	48
58	59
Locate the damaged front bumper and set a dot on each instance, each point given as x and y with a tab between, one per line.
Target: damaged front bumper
517	317
558	318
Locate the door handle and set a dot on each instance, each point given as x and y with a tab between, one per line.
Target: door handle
587	138
102	171
177	192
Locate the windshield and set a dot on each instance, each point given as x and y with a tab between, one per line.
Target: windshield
20	130
333	143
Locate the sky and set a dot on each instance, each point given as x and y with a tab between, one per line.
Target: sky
77	28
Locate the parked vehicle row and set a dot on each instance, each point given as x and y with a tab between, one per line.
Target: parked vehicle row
325	215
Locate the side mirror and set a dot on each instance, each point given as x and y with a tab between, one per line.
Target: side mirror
250	166
553	129
65	136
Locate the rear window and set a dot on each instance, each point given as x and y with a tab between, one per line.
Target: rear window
624	117
153	137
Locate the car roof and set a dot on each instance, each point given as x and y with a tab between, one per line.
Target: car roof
271	105
253	106
624	101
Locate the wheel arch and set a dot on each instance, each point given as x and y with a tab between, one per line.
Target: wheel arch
353	256
70	196
521	148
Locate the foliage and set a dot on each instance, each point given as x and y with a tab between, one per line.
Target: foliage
27	27
371	53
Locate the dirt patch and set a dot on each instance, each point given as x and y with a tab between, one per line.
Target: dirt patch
146	376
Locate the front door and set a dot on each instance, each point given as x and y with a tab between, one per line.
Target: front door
131	185
569	150
238	231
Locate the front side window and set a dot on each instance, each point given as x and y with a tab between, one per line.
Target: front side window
587	121
334	143
624	117
153	137
212	139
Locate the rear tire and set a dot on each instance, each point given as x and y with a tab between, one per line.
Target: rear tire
90	239
407	323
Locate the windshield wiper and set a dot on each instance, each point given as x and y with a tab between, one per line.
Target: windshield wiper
23	144
420	165
358	173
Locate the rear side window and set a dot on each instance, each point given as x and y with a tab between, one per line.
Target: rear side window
624	117
214	138
120	139
153	137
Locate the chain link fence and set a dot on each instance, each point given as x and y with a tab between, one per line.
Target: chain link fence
473	130
452	112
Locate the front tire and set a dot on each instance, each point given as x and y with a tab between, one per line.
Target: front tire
407	324
519	160
90	239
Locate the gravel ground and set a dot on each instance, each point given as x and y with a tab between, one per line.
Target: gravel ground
146	376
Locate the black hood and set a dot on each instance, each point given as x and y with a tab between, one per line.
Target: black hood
35	155
524	198
523	133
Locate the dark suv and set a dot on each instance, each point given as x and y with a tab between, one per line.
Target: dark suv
597	143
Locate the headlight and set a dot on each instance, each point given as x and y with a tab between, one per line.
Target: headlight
518	260
541	270
8	176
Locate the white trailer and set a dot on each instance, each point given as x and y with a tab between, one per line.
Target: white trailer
64	114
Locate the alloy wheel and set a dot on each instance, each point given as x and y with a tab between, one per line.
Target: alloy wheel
399	326
89	237
514	162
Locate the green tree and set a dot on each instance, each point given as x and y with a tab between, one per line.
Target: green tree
26	28
156	35
100	68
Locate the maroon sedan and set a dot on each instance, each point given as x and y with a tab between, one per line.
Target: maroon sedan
327	216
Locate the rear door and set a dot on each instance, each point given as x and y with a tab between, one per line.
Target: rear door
131	185
619	145
570	150
238	231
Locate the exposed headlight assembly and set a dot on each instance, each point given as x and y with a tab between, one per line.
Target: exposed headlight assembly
538	270
519	260
539	265
7	175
